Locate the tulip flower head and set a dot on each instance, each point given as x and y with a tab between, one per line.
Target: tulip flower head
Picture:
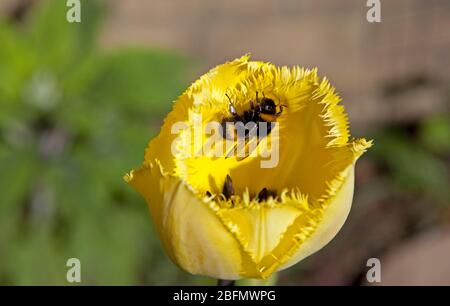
233	202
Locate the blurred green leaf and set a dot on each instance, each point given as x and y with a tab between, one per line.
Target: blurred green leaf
73	120
57	43
411	166
435	133
51	37
17	171
142	82
17	62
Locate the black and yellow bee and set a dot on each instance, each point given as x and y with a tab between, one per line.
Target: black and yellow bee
265	110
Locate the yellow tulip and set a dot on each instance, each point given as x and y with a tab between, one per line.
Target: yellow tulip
242	236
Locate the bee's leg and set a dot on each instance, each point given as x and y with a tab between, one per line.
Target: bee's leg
224	130
228	189
269	127
281	110
228	131
249	116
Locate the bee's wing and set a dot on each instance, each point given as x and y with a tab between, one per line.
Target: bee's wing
250	144
251	141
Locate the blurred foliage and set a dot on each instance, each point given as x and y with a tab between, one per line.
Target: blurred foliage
73	121
417	160
435	134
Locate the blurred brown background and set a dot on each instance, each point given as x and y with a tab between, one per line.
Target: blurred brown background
394	78
411	44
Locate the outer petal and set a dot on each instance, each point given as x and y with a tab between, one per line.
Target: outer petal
307	235
332	221
260	227
277	237
192	235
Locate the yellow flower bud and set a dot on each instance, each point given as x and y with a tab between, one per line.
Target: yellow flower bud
249	233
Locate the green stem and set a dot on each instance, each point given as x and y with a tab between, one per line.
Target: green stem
225	282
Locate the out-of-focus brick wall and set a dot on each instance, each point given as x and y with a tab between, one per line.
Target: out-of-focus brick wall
412	42
411	45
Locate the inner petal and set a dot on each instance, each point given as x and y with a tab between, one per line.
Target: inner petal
311	133
306	160
259	228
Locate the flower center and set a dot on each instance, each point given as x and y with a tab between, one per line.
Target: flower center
228	191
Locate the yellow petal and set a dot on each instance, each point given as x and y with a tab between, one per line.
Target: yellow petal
333	219
312	130
278	234
200	92
260	227
192	235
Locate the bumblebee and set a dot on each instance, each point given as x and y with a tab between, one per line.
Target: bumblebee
265	110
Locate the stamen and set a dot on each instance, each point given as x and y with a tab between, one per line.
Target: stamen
228	189
265	193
